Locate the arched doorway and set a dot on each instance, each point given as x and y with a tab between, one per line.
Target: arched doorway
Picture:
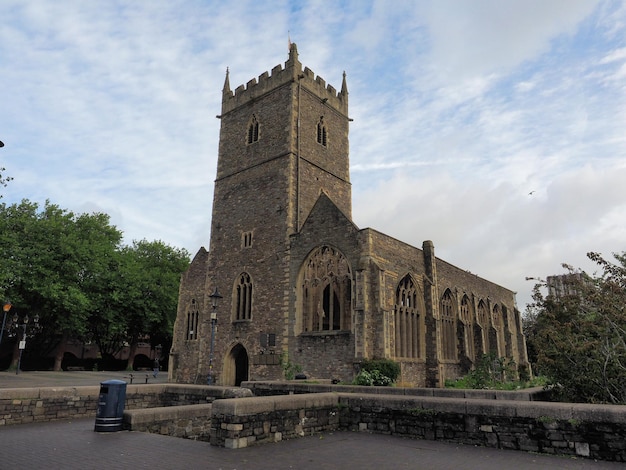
236	366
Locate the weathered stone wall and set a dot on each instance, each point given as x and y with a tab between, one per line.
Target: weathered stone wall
594	431
240	423
591	431
185	421
27	405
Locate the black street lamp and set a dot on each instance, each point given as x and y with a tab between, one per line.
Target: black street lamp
215	300
22	343
5	308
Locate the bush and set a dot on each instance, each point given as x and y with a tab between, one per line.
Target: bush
386	367
373	378
378	372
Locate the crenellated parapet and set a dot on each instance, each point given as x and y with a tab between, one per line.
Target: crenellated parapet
292	72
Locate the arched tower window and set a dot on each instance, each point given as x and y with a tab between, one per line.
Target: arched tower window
409	329
326	291
321	132
243	298
448	327
192	321
253	130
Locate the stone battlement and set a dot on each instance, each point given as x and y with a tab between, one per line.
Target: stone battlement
280	76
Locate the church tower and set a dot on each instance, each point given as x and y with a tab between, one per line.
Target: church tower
283	142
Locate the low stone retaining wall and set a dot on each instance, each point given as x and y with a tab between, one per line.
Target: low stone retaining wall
186	421
27	405
238	423
594	431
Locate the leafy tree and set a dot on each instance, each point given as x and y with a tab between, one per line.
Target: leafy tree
56	264
578	335
146	303
4	180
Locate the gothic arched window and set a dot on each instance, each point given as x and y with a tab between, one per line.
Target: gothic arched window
482	338
326	291
448	327
243	298
465	315
408	321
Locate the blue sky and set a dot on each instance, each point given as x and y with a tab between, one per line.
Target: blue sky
496	129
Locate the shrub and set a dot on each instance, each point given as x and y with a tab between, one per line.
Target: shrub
378	372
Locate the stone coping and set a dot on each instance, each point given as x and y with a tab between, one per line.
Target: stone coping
145	416
94	390
299	386
513	408
256	405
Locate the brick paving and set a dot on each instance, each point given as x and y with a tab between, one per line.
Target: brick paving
74	445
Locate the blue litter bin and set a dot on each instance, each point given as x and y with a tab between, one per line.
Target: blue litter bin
111	403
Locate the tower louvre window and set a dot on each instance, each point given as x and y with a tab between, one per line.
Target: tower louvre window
246	239
253	130
322	136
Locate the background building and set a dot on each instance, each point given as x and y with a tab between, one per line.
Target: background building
302	284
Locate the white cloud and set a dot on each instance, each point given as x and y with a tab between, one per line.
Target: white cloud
460	110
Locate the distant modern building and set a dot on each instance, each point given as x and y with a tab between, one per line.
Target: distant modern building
302	284
562	285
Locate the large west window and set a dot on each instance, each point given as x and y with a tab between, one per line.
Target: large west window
326	291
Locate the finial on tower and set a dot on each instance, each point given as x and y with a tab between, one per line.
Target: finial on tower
226	88
344	84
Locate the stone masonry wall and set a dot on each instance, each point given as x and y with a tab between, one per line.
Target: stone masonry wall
27	405
590	431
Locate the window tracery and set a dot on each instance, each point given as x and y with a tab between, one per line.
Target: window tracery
448	327
326	291
408	320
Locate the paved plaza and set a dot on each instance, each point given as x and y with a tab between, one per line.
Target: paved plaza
73	444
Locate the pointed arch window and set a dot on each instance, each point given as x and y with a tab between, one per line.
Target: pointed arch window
322	136
253	130
192	321
448	327
407	320
465	315
498	325
482	339
243	298
326	292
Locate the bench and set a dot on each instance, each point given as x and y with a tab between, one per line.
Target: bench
75	368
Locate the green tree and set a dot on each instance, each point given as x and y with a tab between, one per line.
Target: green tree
578	336
150	276
4	180
57	264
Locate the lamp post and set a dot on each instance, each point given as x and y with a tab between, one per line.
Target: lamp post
5	308
215	300
22	343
